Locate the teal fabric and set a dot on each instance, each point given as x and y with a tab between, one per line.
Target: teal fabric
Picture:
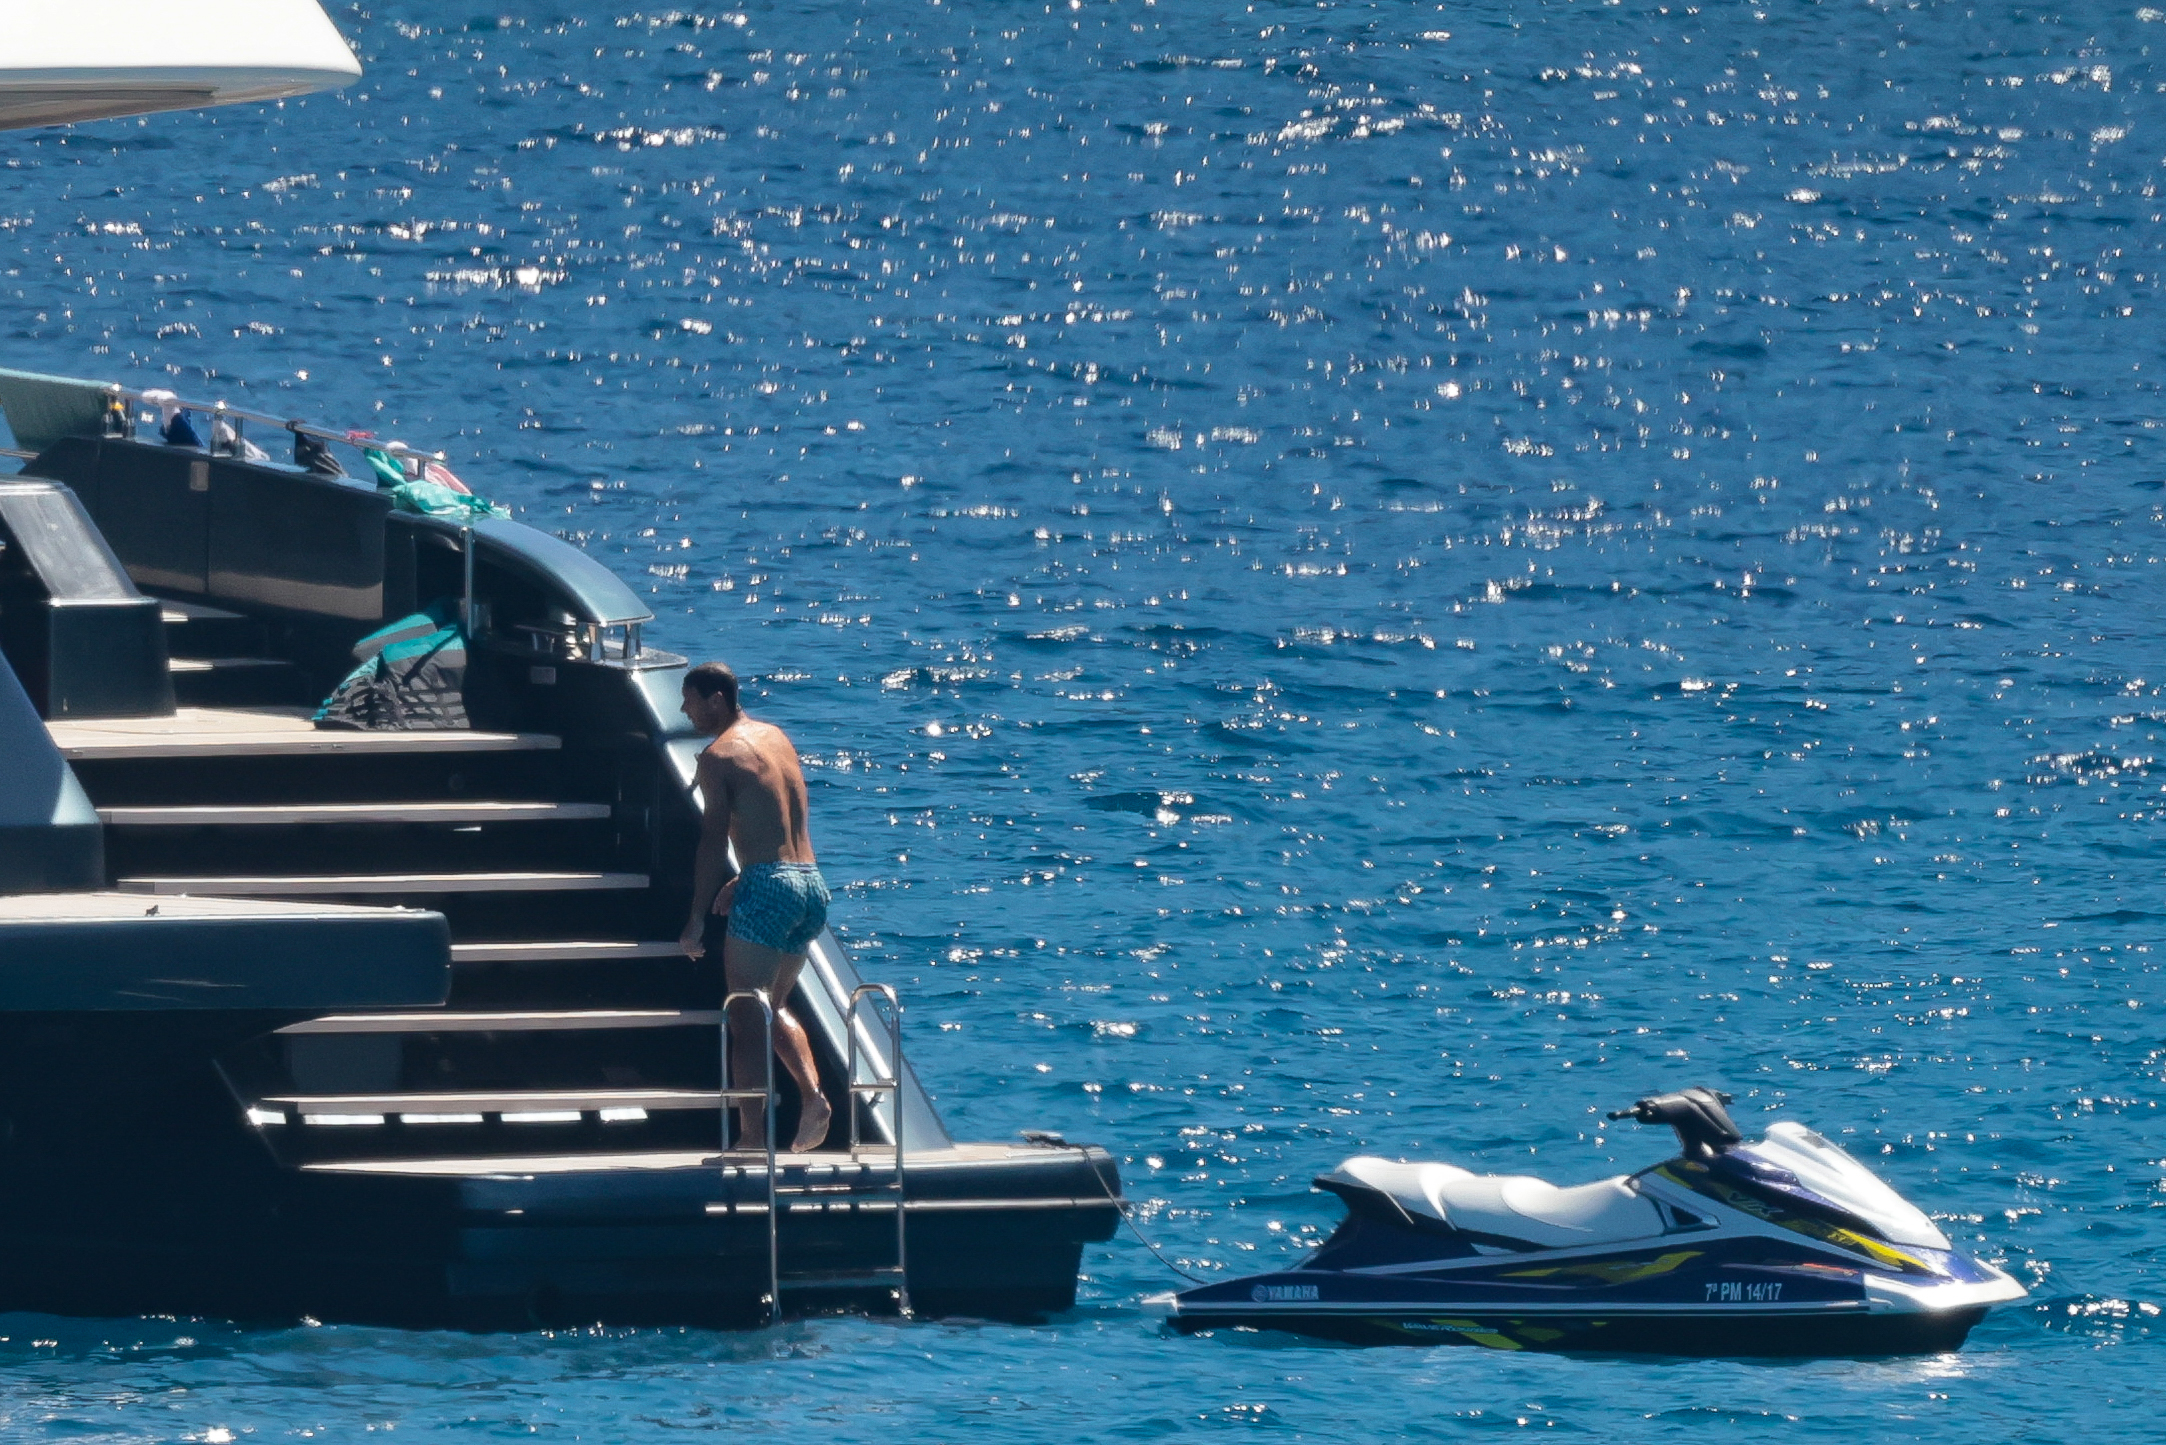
429	619
424	497
411	675
386	467
434	499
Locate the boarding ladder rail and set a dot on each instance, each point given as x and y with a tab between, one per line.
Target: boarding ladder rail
731	1094
889	1084
863	1081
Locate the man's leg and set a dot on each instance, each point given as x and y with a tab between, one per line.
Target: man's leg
748	965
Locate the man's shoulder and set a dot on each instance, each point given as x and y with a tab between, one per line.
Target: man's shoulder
749	744
724	756
767	735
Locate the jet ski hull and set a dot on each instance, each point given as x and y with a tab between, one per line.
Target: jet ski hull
1614	1333
1740	1295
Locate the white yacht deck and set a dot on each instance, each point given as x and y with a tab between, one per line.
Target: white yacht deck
109	906
211	732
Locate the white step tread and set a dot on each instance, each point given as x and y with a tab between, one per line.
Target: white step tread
319	884
172	609
226	732
445	1022
533	1164
284	814
222	664
586	1101
879	1156
867	1278
581	951
109	906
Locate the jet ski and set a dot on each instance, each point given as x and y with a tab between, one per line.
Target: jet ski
1784	1245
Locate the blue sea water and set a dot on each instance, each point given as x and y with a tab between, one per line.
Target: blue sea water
1353	577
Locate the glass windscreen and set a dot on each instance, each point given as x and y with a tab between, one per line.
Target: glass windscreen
62	545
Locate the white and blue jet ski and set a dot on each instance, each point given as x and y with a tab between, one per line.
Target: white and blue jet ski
1781	1246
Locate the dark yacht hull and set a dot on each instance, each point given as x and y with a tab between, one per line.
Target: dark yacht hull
998	1235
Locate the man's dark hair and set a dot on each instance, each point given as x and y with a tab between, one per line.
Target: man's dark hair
710	679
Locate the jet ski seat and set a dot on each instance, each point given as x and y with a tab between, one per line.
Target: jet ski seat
1501	1209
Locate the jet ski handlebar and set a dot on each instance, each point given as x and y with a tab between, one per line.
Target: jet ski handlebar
1704	1128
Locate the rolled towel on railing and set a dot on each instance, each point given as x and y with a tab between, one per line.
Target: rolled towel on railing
443	476
226	439
418	484
390	470
313	457
433	499
173	423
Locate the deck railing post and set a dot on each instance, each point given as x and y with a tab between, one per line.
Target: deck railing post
466	594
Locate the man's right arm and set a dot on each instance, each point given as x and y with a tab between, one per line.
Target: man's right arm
712	869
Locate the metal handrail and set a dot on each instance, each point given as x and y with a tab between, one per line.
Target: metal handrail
603	617
891	1085
765	1095
221	410
466	578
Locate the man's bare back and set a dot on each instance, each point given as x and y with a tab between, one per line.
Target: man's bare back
753	789
753	767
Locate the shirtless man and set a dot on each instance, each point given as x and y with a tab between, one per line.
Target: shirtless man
755	796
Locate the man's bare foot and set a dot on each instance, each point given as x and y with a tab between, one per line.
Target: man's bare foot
813	1118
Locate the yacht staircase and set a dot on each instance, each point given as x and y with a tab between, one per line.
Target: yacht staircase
577	1037
575	1023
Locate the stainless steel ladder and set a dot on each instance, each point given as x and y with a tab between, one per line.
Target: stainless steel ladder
889	1084
875	1084
732	1094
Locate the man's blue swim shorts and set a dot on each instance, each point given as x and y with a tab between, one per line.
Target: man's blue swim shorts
782	906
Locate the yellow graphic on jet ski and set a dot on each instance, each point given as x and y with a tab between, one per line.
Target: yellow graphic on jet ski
1797	1223
1469	1330
1522	1335
1611	1271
